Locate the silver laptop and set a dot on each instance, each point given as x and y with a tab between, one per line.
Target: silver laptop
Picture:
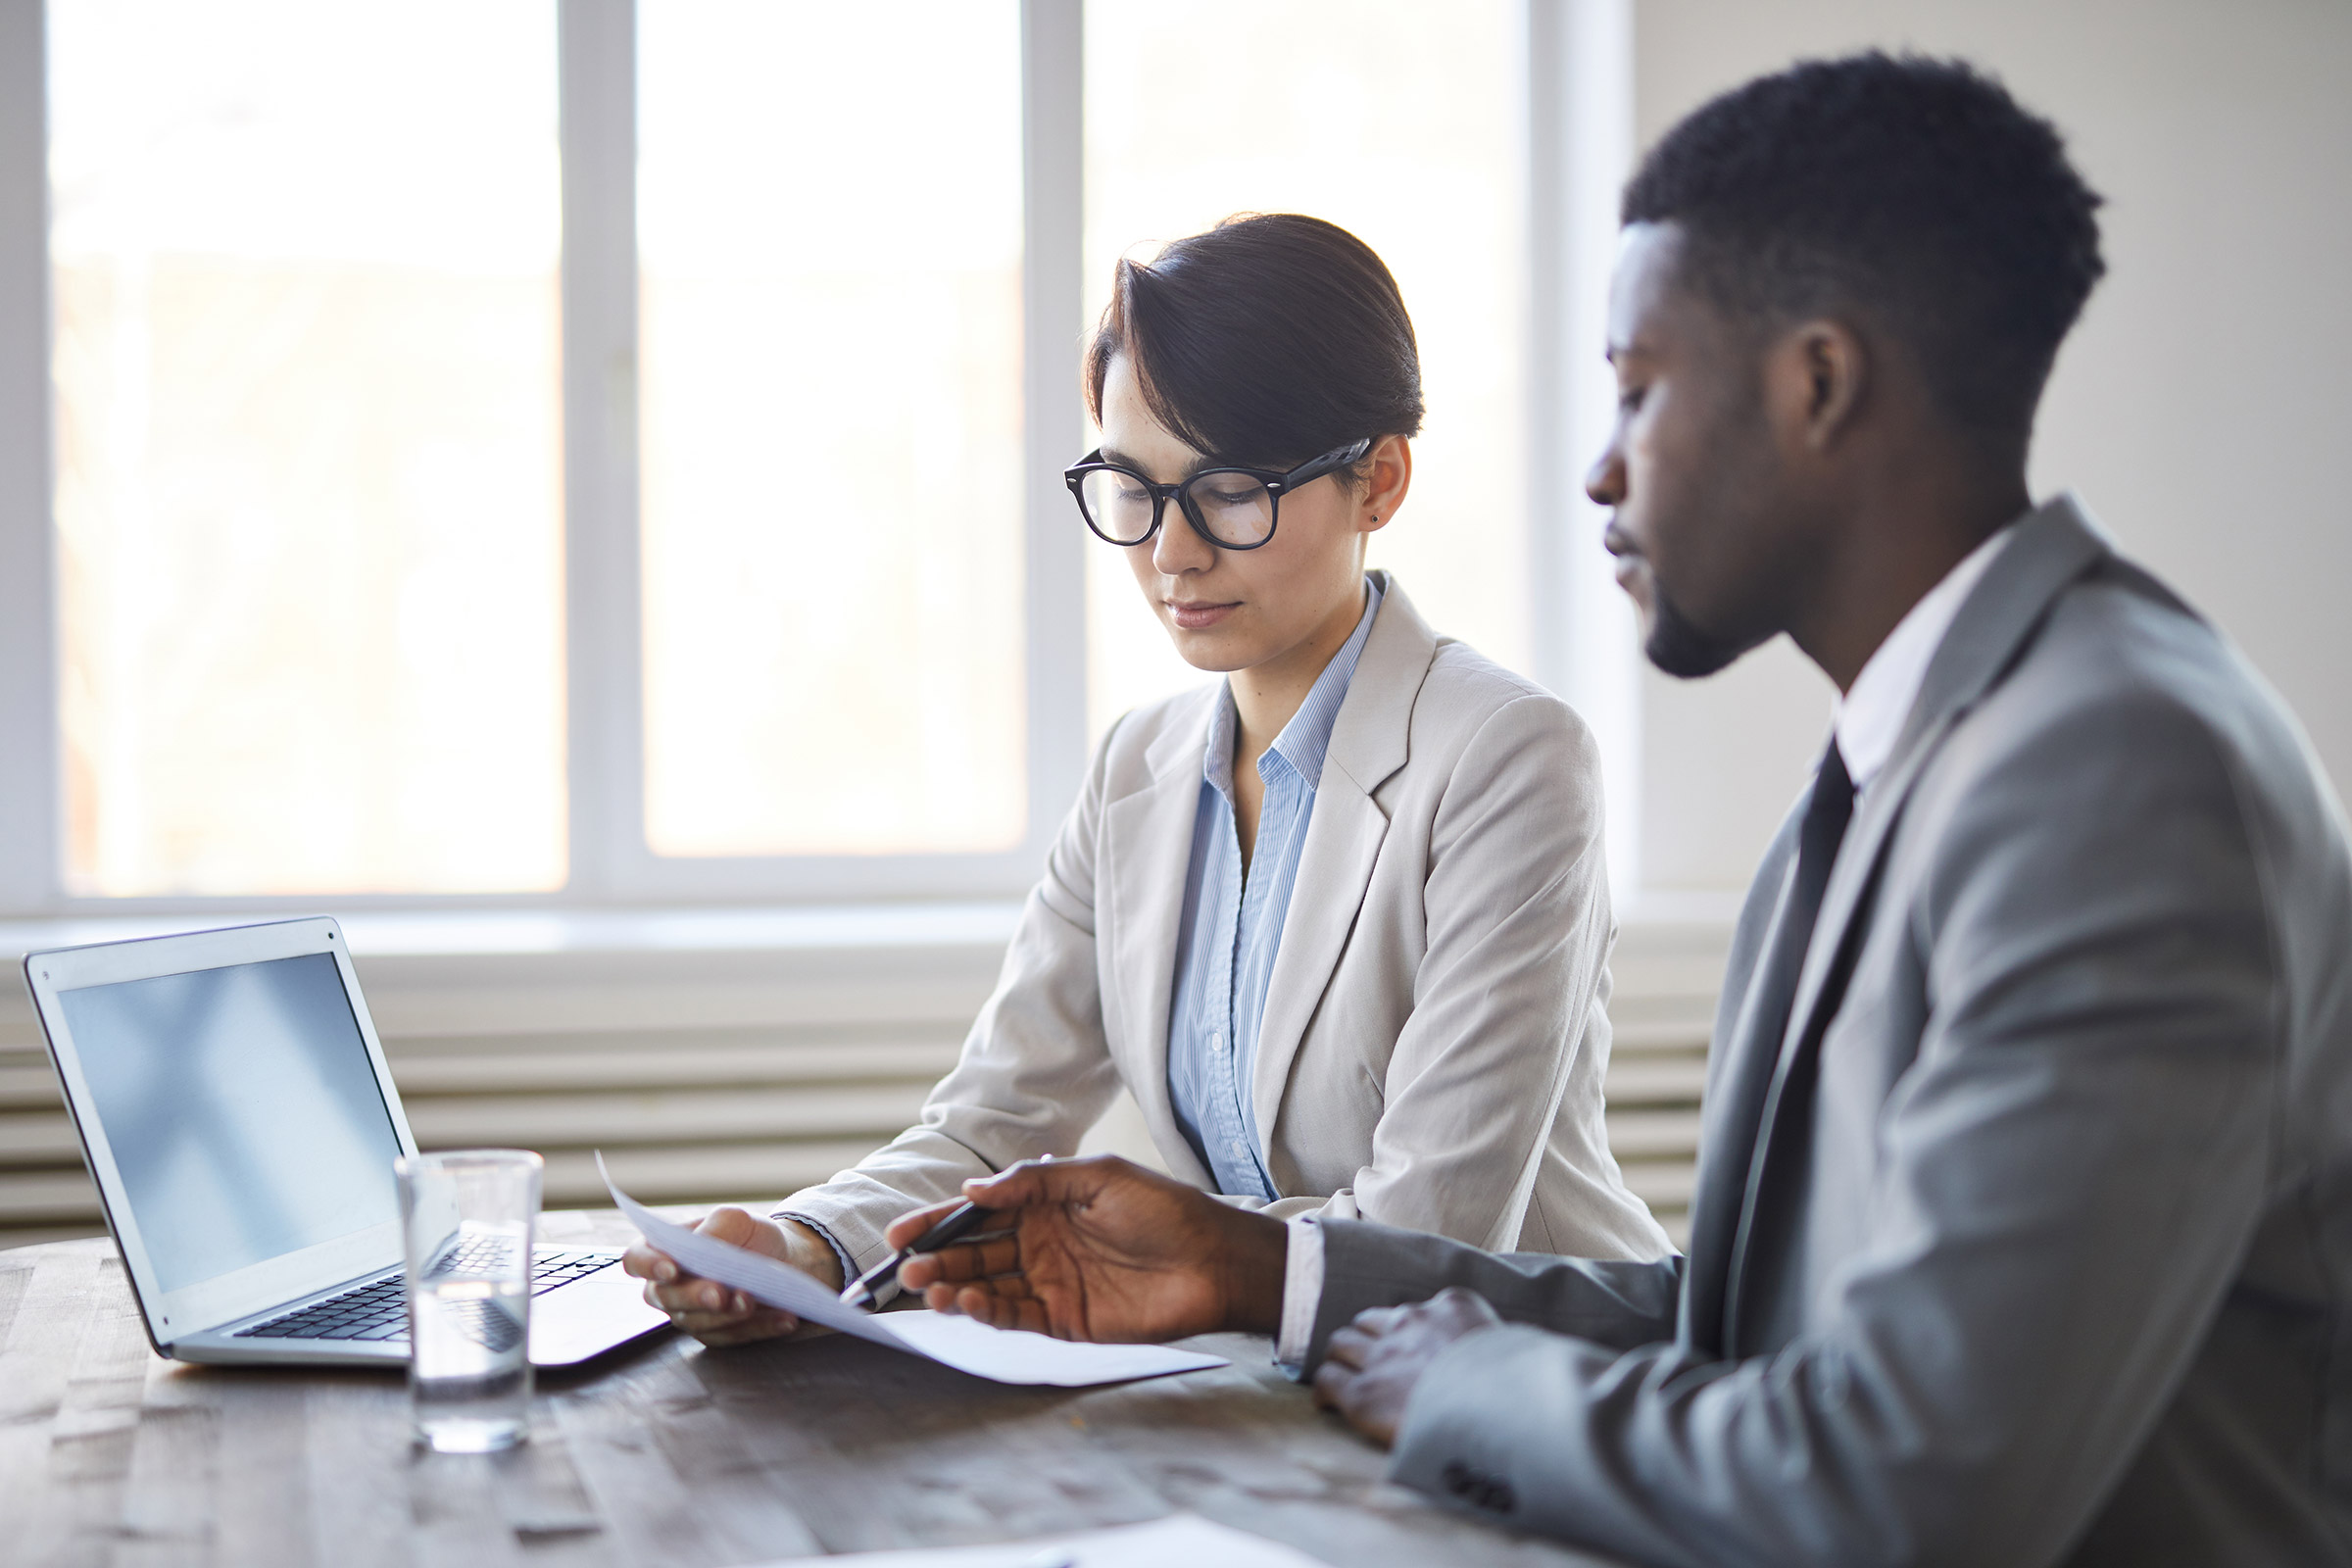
239	1118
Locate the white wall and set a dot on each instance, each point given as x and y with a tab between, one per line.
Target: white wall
2204	406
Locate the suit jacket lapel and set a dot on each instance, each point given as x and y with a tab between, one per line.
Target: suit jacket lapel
1739	1068
1343	835
1148	850
2053	547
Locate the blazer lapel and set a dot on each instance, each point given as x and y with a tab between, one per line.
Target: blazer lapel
1739	1071
1343	835
1147	848
2053	546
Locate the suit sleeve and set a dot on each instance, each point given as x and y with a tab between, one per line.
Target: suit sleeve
2070	1172
1508	1000
1622	1303
1034	1073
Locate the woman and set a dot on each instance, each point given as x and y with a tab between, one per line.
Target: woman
1340	922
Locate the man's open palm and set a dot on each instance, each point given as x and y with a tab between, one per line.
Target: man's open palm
1102	1249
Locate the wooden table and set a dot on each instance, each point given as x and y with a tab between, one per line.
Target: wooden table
670	1453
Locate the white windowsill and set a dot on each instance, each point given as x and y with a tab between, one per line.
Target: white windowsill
550	932
493	934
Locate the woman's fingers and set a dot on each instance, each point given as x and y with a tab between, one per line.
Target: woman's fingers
689	1293
716	1314
734	1226
646	1263
735	1312
763	1323
705	1308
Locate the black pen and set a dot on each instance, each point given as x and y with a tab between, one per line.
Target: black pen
953	1226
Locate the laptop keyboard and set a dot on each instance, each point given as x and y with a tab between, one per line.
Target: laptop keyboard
379	1310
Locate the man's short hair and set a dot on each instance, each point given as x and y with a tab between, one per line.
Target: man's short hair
1913	190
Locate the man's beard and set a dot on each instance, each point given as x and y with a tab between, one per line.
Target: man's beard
1683	650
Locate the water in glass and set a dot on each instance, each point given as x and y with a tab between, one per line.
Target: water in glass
468	1218
470	1368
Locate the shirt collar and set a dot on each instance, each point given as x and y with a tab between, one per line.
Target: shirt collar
1868	718
1306	738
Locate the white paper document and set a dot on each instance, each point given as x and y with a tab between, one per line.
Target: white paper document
1180	1541
1003	1355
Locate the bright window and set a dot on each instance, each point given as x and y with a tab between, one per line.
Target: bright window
611	451
1403	132
830	237
304	271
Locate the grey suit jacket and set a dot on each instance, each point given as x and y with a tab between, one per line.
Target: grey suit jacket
2042	1251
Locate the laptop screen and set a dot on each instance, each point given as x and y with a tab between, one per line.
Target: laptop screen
242	1110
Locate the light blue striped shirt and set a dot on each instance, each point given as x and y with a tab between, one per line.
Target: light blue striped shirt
1232	925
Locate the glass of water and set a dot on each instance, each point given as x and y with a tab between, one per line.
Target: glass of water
468	1217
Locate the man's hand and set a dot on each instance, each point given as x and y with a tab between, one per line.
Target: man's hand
1371	1365
1102	1249
708	1309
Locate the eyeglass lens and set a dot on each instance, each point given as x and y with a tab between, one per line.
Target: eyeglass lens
1237	509
1234	508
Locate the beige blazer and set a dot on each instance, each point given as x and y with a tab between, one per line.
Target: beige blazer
1435	1033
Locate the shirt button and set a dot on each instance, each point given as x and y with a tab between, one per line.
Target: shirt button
1216	1042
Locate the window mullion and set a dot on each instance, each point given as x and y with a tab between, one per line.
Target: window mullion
1580	130
1053	166
1551	367
28	734
605	728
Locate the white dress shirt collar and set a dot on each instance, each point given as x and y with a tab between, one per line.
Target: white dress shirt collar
1868	718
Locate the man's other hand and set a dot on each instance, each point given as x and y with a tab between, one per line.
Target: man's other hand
1102	1249
708	1309
1371	1365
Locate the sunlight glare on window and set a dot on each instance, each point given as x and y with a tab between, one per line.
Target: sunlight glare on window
829	223
1399	122
309	468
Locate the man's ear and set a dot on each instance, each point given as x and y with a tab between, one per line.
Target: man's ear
1392	464
1816	376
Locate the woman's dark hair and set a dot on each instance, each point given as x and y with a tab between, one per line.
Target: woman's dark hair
1267	341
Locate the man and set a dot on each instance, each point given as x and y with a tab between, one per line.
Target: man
2022	1231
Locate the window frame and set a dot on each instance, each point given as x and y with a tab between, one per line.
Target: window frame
1569	45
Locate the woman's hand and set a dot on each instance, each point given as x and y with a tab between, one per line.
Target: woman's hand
716	1314
1102	1249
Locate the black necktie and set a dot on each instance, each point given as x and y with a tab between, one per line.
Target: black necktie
1817	839
1725	1167
1826	816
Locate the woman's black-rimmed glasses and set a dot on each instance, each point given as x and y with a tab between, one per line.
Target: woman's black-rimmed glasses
1233	509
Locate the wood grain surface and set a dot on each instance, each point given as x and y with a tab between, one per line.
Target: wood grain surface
668	1454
